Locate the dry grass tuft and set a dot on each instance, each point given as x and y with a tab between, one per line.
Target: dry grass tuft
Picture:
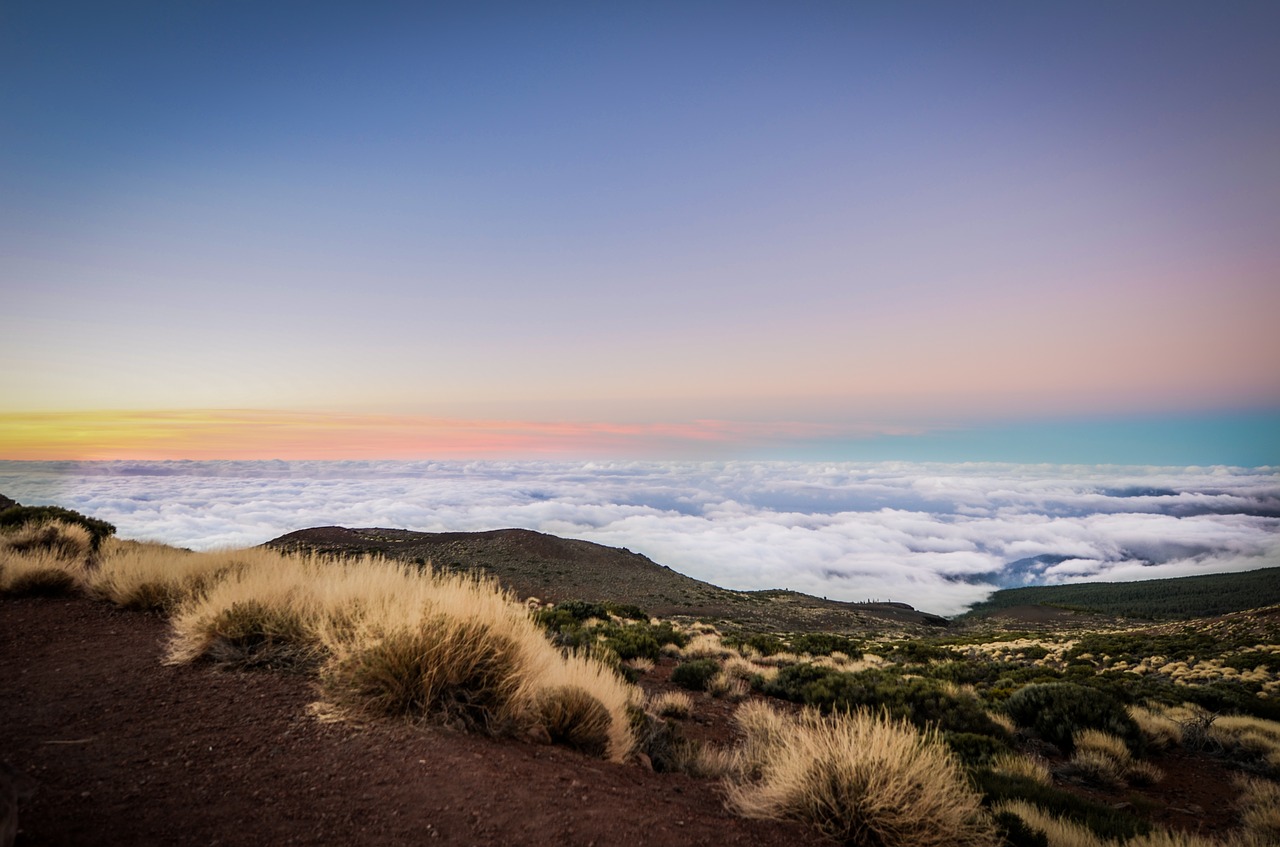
671	704
69	542
1060	832
1260	810
1160	731
156	577
859	778
1030	767
727	687
46	558
37	573
396	641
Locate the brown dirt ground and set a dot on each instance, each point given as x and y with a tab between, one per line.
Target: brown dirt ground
126	750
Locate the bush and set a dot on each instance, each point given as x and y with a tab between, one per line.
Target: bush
924	702
17	516
762	643
826	643
1060	710
859	778
695	674
633	642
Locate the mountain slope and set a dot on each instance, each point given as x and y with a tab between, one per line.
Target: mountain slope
1180	598
534	564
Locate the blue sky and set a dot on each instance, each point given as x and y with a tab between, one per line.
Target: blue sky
823	217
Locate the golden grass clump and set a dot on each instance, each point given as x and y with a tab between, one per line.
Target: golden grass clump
46	558
157	577
671	704
393	640
859	778
1159	730
67	541
706	645
641	664
1066	833
38	572
1260	809
1250	737
1029	767
727	687
1104	759
1059	831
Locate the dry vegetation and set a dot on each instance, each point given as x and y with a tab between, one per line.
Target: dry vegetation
891	743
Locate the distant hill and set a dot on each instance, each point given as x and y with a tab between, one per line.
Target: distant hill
534	564
1181	598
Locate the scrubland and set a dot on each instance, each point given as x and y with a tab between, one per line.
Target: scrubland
979	739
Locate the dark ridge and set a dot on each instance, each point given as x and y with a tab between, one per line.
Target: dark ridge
550	568
1180	598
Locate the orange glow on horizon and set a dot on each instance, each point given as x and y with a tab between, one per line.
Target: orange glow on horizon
260	434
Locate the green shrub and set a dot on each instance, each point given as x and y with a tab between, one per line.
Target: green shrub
923	702
762	643
975	749
826	643
17	516
695	674
633	642
1058	710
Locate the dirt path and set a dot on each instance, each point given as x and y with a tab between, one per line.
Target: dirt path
128	751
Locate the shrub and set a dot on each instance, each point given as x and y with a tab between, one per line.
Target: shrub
859	778
1060	710
633	642
18	516
762	643
695	674
924	702
826	643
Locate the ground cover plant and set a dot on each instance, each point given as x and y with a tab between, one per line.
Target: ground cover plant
838	730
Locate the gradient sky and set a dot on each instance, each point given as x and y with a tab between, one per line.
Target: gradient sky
310	230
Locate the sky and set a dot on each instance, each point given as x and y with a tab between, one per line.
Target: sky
990	231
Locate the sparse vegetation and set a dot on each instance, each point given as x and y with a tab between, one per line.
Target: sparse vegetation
974	708
860	778
16	517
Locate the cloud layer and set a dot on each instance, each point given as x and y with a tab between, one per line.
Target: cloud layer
938	536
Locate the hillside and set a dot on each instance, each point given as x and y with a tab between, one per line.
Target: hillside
533	564
1181	598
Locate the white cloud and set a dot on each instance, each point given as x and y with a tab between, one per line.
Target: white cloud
933	535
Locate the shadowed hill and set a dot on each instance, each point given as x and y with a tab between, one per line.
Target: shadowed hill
533	564
1180	598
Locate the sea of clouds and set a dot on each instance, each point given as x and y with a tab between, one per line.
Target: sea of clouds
937	536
